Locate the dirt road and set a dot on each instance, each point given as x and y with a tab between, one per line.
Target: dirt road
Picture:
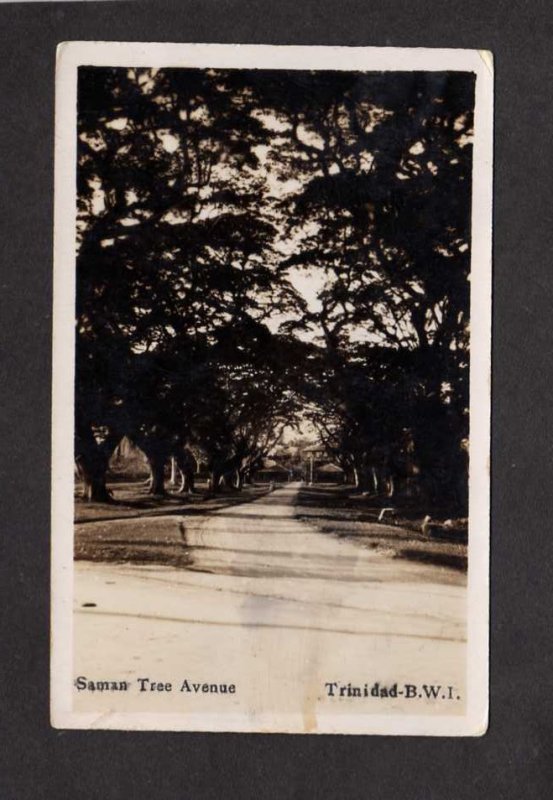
278	610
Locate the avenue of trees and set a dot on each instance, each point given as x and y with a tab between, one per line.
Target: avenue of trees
202	196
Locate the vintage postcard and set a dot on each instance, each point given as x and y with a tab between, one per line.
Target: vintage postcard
271	389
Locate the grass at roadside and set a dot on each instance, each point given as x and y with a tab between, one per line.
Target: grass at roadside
130	499
141	529
338	510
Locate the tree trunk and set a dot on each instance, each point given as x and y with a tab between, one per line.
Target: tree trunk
92	459
173	481
156	463
181	480
186	485
189	482
228	480
185	468
214	480
360	478
157	451
93	474
376	482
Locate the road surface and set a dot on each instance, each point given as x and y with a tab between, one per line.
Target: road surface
270	605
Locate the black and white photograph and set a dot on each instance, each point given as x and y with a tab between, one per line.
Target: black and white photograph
271	389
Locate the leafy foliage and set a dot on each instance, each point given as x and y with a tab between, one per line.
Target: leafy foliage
204	194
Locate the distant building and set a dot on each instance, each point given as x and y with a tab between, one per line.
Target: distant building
328	473
271	471
315	451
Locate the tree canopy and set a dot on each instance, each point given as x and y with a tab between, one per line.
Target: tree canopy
207	201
